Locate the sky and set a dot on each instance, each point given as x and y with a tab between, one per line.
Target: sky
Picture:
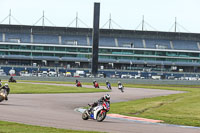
159	15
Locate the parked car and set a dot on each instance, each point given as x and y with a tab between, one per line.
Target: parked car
25	73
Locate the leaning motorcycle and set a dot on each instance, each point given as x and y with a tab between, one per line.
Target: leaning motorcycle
98	113
96	85
109	87
78	84
121	87
12	80
3	95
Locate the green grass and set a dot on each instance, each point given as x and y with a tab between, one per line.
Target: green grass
62	82
25	88
182	109
55	82
11	127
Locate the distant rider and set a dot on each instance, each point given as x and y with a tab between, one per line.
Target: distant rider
105	98
11	78
108	85
120	86
95	83
7	89
78	83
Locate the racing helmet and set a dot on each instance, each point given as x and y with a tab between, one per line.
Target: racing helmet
119	82
107	97
6	84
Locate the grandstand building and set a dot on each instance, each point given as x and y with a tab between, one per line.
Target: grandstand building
118	49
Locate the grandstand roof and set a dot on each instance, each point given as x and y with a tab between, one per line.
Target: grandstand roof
103	32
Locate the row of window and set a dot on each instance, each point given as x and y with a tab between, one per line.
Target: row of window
44	54
149	59
115	52
44	48
101	56
103	51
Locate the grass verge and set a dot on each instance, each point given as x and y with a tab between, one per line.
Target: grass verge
11	127
24	88
53	82
182	109
63	82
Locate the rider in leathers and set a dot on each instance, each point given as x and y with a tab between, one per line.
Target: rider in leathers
105	98
108	83
120	84
7	89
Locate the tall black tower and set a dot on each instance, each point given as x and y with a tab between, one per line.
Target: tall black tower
95	38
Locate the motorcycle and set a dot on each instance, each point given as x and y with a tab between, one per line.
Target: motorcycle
96	85
109	87
98	113
121	87
3	95
78	84
12	80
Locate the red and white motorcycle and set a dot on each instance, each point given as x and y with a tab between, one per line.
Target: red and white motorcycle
98	113
96	85
78	84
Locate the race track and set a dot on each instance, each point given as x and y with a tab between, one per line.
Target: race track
57	110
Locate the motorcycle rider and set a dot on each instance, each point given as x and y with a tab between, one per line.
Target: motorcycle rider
7	89
120	86
107	82
108	85
95	83
105	98
78	83
11	79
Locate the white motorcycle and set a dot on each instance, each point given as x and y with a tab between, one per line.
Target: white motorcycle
121	87
98	113
3	95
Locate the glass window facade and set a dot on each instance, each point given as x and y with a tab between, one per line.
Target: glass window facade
104	53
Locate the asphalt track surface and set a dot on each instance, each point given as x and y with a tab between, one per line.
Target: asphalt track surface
57	110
